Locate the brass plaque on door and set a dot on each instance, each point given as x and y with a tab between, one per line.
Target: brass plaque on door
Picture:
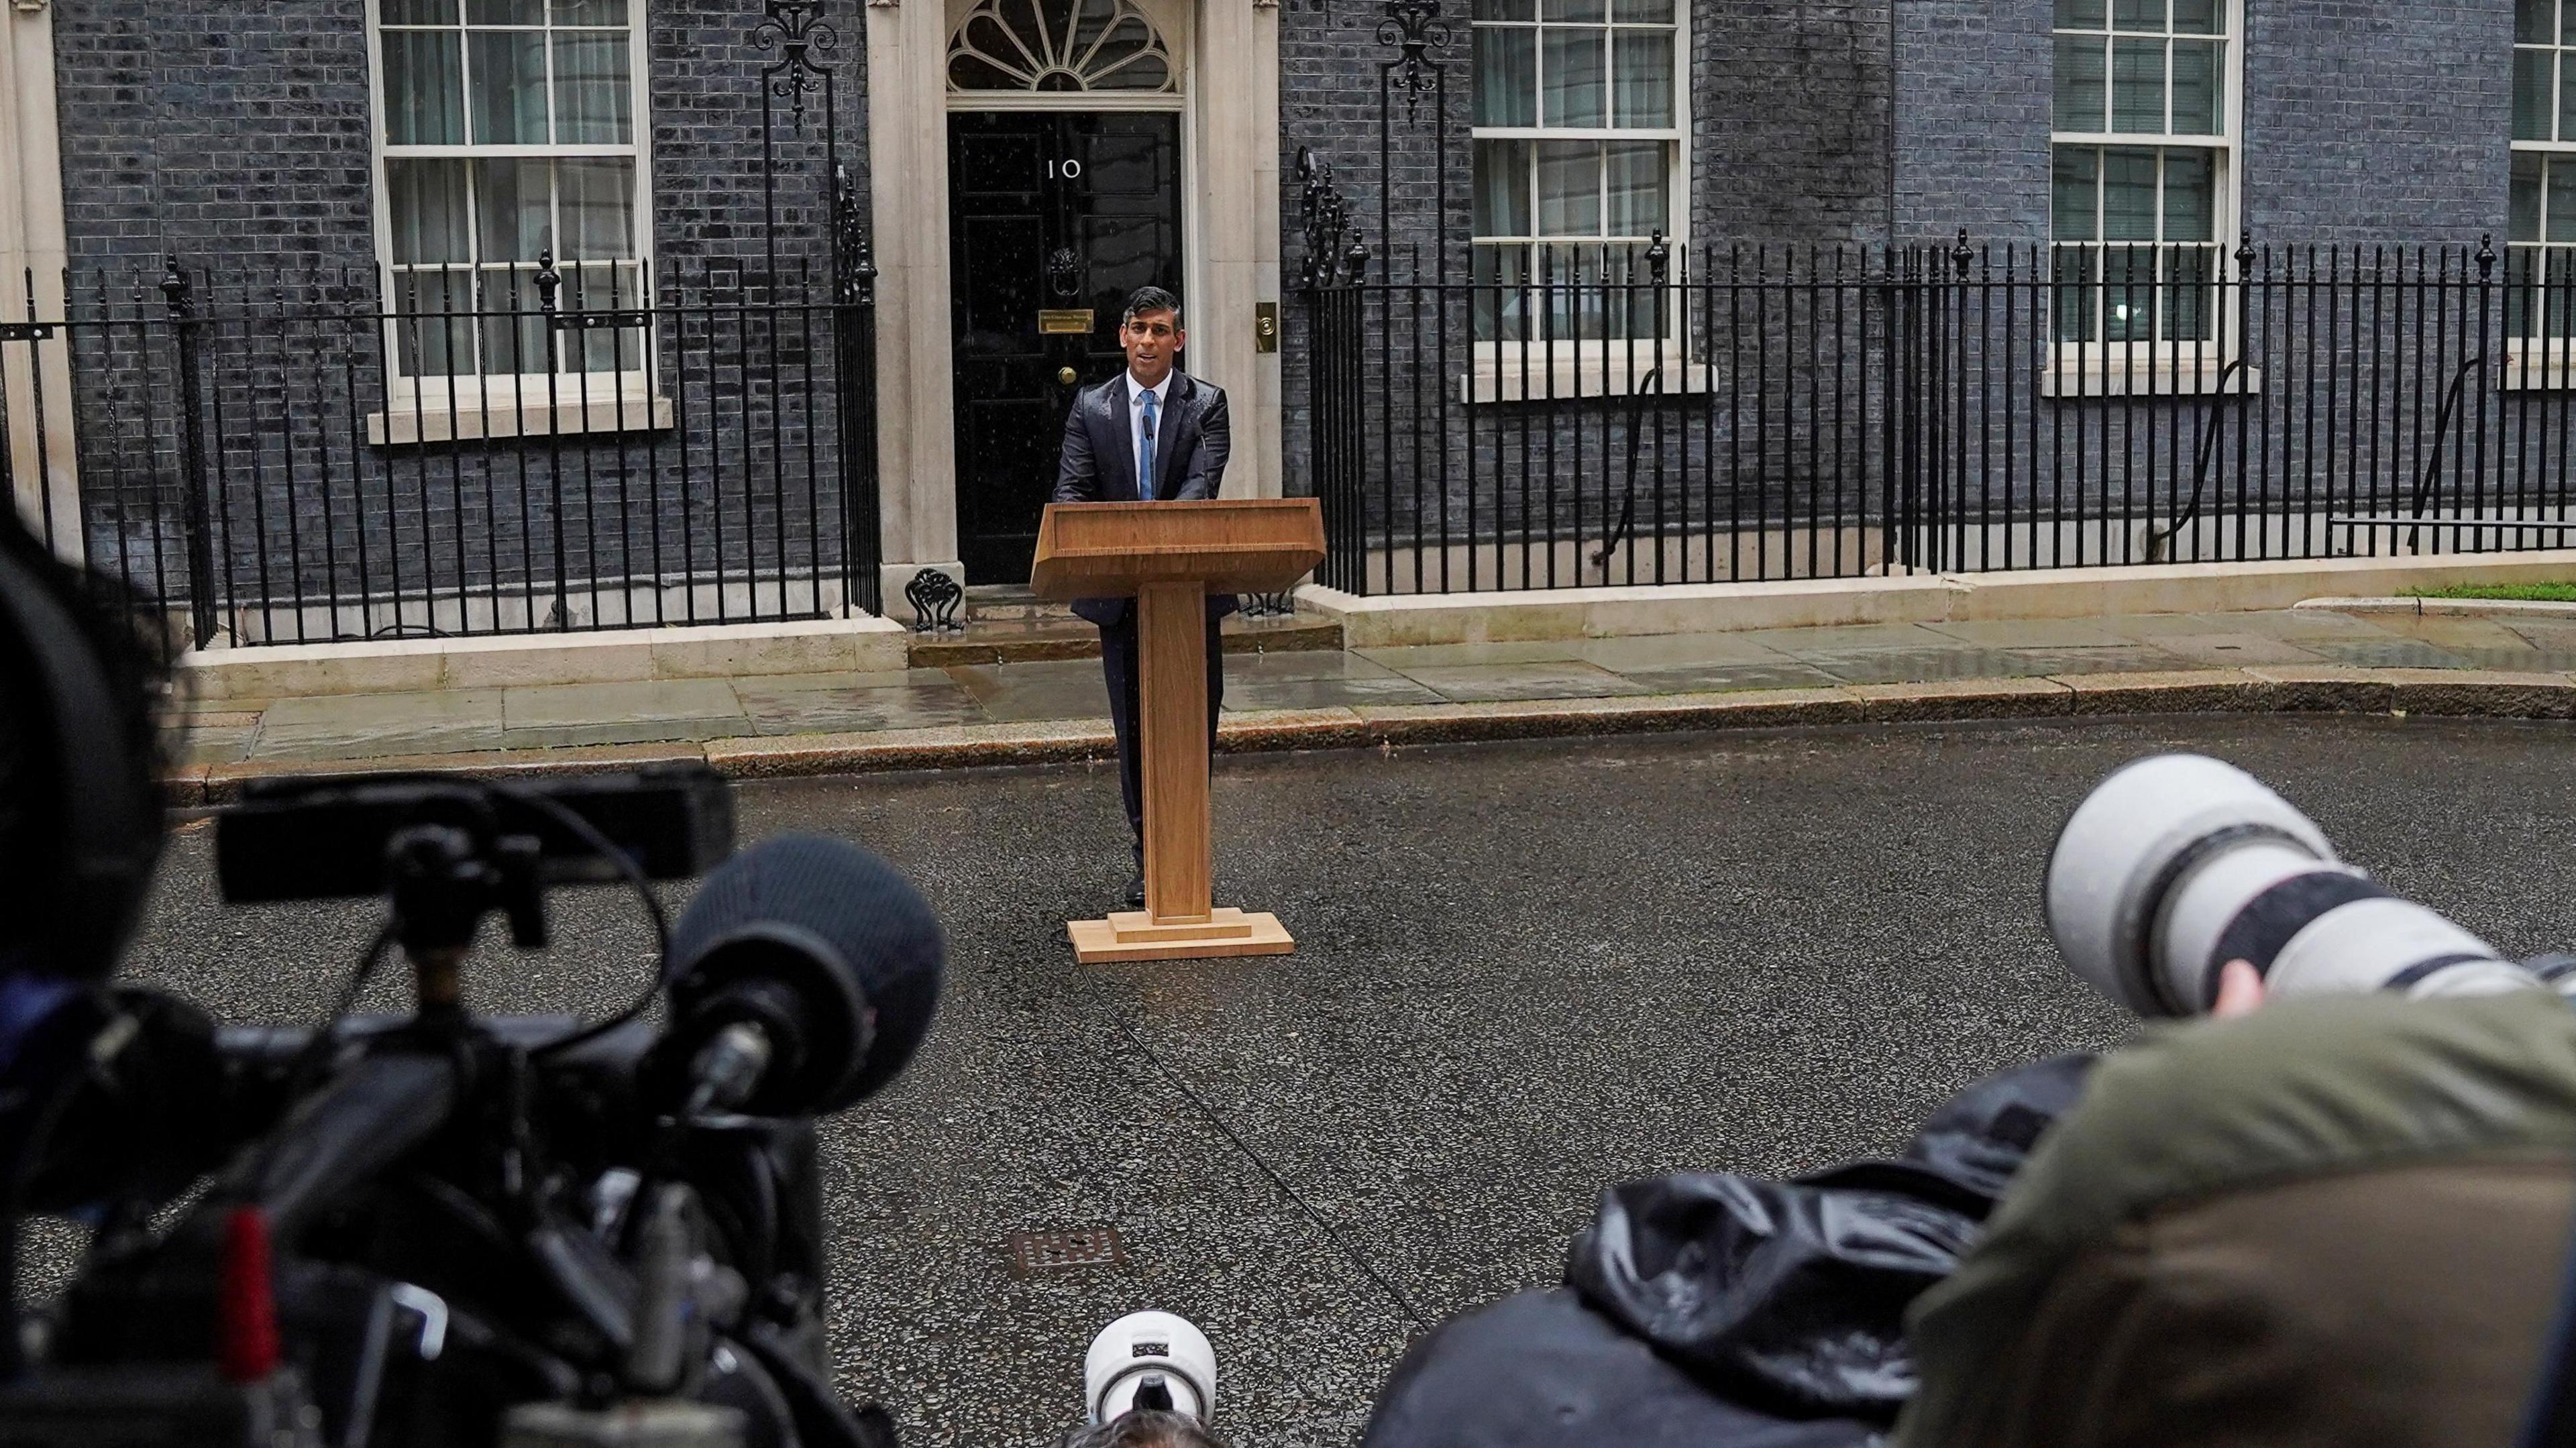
1064	321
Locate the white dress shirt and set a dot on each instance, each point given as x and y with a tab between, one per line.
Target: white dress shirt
1136	425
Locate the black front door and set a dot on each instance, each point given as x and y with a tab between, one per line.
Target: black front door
1053	219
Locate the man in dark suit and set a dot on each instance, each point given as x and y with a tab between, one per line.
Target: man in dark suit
1151	434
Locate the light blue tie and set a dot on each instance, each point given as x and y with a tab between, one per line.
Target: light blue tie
1145	467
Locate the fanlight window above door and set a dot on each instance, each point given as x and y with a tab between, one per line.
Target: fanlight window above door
1058	45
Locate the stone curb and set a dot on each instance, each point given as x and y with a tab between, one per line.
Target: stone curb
2447	607
2447	693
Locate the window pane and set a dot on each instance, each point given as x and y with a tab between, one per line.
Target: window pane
598	203
2191	196
2196	17
2195	88
1636	183
2073	270
436	344
420	12
505	12
424	89
2526	199
1643	61
509	87
593	88
512	209
1569	188
425	203
1642	12
2079	14
2128	195
2080	87
2138	85
1584	10
2531	98
2138	14
1502	188
590	12
2532	21
1507	9
2075	187
2566	101
1572	73
2562	204
1506	76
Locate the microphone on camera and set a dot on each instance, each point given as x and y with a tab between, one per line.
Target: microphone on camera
803	977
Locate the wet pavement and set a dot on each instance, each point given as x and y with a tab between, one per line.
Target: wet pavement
1524	971
535	718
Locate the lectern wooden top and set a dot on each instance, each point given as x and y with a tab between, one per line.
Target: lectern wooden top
1232	545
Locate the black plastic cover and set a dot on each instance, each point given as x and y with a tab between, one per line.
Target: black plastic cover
1725	1311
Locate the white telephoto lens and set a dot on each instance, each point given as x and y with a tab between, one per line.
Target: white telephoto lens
2134	839
1143	1349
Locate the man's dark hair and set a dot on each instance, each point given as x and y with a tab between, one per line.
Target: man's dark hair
1151	299
1146	1428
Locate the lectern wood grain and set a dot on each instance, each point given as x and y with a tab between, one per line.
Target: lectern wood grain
1168	557
1172	652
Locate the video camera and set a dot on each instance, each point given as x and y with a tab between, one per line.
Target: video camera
447	1229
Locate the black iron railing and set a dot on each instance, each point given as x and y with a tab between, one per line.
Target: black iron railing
1544	417
552	447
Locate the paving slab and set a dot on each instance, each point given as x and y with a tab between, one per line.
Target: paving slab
2233	650
1482	683
1675	652
359	726
1322	693
1020	693
2031	633
1786	673
839	703
560	715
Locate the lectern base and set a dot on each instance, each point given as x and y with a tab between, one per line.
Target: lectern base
1133	935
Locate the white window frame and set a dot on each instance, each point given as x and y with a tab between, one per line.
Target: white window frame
1566	369
2539	363
487	404
2166	367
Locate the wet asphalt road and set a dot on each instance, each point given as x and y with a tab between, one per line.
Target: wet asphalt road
1524	971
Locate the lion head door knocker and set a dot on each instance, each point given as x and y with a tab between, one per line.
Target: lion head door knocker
1064	273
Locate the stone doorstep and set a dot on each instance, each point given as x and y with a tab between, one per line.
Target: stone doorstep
2452	693
1544	615
1026	641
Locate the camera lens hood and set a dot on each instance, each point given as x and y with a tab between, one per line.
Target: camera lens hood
2130	842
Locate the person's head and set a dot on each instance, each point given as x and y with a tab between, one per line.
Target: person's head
1146	1428
1150	330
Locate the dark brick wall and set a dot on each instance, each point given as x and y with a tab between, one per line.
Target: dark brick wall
238	137
1790	107
2362	122
1971	119
236	133
1330	99
2367	122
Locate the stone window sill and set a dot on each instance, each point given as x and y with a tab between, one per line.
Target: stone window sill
2538	366
2089	373
500	416
1589	373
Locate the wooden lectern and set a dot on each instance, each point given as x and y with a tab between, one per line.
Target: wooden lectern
1169	557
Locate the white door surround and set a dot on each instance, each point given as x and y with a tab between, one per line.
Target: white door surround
42	458
1228	58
